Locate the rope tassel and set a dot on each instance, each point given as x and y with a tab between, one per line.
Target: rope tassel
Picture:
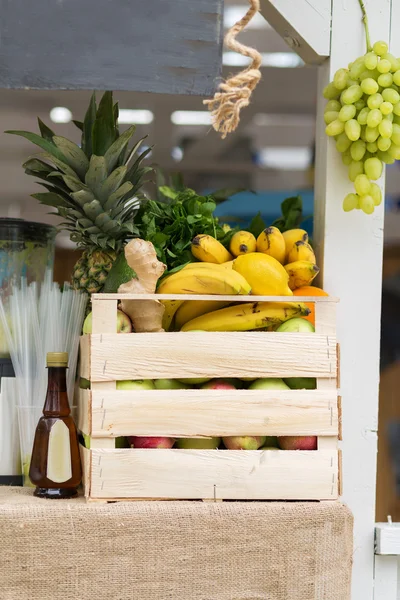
235	93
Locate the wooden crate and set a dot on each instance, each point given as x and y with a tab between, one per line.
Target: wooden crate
106	413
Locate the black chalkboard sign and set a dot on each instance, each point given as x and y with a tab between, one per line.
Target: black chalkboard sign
164	46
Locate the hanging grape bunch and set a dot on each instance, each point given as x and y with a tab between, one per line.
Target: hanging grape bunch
363	115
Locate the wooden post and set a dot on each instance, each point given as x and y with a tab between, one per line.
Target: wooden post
350	251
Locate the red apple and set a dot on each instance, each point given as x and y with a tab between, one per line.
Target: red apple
246	442
218	384
298	442
151	442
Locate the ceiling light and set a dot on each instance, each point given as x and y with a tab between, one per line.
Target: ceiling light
60	114
285	159
191	117
128	116
177	153
233	14
280	60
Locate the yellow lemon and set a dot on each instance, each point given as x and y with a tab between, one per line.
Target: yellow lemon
266	276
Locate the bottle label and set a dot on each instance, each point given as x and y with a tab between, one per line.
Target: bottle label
59	467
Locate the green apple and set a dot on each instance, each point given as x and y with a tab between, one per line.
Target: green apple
198	443
269	383
296	325
271	441
139	384
194	380
301	383
169	384
84	384
124	324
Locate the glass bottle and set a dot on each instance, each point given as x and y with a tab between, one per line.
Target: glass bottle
55	465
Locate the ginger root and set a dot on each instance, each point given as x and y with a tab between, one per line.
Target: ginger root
146	315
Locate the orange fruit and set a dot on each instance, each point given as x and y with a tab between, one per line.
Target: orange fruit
310	290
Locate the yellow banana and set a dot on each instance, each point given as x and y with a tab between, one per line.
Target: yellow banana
228	264
292	236
204	265
170	308
301	251
301	273
266	276
271	242
209	250
248	316
242	242
191	309
204	281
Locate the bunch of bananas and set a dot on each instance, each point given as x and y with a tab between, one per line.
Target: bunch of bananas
274	264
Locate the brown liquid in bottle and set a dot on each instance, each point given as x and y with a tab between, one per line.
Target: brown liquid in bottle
55	465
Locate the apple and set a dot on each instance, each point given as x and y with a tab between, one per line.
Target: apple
151	442
140	384
84	384
194	380
297	324
169	384
301	383
298	442
271	441
269	383
124	324
245	442
198	443
218	384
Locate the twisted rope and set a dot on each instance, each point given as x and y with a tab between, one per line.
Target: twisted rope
235	93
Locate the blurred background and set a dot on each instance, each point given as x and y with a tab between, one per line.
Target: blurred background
271	153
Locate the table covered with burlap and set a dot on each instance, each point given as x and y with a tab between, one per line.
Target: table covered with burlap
70	550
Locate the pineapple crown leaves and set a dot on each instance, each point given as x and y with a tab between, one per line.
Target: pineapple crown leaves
92	185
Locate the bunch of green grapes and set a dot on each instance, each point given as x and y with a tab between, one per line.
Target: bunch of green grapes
363	115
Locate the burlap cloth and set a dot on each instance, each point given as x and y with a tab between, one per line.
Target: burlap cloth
69	550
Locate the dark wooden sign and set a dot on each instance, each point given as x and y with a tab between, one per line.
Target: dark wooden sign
165	46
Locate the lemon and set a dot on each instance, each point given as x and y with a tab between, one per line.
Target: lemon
266	276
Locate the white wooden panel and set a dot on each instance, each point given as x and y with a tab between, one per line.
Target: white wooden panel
158	473
387	538
202	413
385	584
86	459
84	422
84	356
303	24
349	250
205	354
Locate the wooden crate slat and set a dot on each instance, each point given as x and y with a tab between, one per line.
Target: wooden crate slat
204	354
84	357
228	474
199	413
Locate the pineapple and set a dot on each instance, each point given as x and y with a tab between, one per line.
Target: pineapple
95	188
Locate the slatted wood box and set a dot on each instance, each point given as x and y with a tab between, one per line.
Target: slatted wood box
106	413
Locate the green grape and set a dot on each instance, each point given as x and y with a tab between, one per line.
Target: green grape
385	156
385	80
334	128
369	75
357	67
374	101
384	66
360	104
370	60
363	116
346	113
395	87
391	95
374	117
352	129
350	202
369	86
396	109
376	193
396	77
394	151
385	129
371	134
396	134
362	185
389	117
340	79
367	204
372	147
346	158
362	134
342	142
351	95
380	48
357	150
383	143
332	105
373	168
367	155
386	108
330	92
351	82
356	167
330	116
394	62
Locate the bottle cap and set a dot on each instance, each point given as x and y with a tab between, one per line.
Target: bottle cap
57	359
